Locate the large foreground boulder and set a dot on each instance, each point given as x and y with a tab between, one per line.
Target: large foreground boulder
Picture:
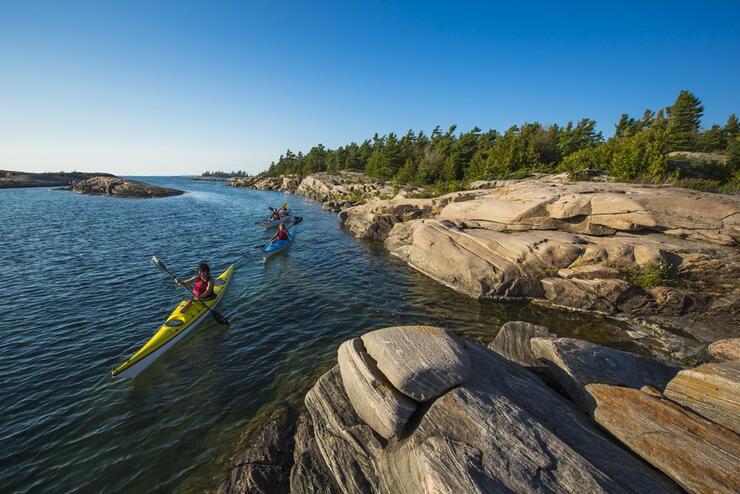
500	430
699	455
120	187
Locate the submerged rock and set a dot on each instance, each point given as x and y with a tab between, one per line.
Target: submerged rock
711	390
698	454
119	187
262	463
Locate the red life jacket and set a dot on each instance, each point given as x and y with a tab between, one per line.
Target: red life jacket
281	235
200	288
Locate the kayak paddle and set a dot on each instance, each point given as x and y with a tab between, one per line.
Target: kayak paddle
218	317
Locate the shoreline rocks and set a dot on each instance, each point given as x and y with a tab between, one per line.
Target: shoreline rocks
664	255
660	256
120	187
501	428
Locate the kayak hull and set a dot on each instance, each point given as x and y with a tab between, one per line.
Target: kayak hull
278	246
186	317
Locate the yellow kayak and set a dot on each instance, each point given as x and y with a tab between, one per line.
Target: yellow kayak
185	318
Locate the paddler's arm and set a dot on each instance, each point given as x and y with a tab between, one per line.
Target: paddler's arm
185	283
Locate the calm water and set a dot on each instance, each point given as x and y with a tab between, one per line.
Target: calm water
80	296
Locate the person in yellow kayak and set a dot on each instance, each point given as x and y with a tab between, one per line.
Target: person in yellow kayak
284	211
203	288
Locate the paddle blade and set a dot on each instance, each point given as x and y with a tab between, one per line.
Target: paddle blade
219	318
158	263
297	219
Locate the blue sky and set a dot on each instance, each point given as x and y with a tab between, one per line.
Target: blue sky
157	88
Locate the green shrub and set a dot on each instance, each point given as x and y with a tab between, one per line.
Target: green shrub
579	164
653	275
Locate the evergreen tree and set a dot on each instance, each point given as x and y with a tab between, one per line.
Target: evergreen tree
713	139
732	128
684	120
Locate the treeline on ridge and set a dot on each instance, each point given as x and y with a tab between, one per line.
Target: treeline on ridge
448	160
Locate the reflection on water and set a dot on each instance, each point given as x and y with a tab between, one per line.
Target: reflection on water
89	297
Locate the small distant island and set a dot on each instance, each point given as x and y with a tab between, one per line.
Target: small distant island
86	183
220	176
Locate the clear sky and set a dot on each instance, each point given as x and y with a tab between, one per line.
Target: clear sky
156	88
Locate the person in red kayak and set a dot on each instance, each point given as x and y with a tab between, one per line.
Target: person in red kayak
282	233
203	288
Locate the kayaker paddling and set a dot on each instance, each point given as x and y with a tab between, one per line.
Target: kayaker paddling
281	234
203	289
275	214
284	211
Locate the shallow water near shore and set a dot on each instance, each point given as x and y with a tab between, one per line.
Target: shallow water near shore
80	296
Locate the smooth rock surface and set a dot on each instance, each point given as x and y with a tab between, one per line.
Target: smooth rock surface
119	187
421	362
711	390
576	363
665	255
513	342
374	399
724	350
502	430
698	454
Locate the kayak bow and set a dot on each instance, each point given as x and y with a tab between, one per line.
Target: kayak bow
185	318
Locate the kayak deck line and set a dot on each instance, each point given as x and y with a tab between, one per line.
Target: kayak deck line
183	319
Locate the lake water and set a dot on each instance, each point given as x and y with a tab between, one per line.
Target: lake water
80	296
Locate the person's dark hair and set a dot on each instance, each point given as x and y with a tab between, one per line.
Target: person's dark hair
203	268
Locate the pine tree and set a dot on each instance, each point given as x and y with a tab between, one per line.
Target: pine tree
732	128
623	126
713	139
684	120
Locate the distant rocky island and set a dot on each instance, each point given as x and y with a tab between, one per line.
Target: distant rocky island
86	183
14	179
120	187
